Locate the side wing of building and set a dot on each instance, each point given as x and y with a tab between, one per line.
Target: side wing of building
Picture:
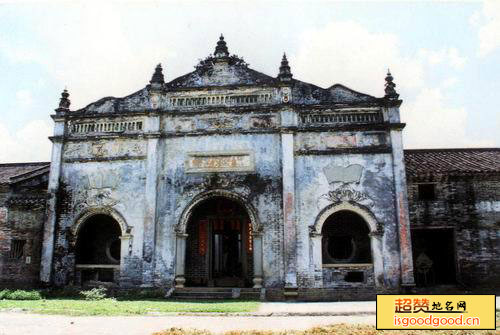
23	195
454	197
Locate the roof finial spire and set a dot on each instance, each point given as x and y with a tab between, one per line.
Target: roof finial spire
390	91
157	76
221	48
64	102
285	74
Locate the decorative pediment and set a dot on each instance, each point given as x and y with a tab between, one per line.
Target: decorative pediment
212	72
341	93
222	70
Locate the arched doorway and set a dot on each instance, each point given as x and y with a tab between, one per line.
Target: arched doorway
345	239
346	250
219	245
98	249
346	245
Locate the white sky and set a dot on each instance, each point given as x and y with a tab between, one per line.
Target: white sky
445	57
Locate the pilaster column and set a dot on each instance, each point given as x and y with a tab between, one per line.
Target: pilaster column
289	225
125	250
377	257
406	258
152	127
180	260
257	260
317	257
51	217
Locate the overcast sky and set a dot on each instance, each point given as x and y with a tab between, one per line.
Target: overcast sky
444	56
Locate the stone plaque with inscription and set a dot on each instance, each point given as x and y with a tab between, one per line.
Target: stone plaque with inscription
219	161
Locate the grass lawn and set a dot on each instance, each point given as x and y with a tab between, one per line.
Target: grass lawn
76	307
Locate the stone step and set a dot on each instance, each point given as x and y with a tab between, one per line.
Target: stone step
216	293
205	289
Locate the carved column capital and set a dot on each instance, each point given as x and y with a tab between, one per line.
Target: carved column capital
377	233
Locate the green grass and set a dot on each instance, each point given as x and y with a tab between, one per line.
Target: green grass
108	307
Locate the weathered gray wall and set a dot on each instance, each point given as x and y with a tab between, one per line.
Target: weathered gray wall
261	188
377	184
470	205
93	186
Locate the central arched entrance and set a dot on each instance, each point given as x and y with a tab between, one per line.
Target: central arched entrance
219	245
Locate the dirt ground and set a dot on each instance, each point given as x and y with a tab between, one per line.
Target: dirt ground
34	324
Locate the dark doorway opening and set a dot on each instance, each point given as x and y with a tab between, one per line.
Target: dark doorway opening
345	239
433	256
98	248
219	245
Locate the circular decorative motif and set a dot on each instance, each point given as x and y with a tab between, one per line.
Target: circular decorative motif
113	247
285	95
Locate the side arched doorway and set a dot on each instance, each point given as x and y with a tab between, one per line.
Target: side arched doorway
219	244
98	250
345	239
346	244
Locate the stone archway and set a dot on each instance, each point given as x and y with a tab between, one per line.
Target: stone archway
375	233
101	241
182	234
89	212
188	211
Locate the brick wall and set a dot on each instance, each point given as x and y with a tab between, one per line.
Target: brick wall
20	221
469	206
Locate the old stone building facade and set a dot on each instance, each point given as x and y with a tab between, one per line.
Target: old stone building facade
227	177
454	197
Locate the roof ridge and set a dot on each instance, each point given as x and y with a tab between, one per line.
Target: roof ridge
452	149
24	164
350	89
29	173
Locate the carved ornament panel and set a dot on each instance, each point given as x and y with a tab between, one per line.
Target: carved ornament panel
104	149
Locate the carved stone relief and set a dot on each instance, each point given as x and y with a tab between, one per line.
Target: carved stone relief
286	94
345	193
310	141
96	190
219	122
224	182
344	182
104	149
263	121
186	124
340	141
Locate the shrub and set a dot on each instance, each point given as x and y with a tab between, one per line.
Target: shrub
65	292
97	293
20	295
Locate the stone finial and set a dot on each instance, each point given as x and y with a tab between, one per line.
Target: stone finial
221	48
64	102
158	76
285	74
390	91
